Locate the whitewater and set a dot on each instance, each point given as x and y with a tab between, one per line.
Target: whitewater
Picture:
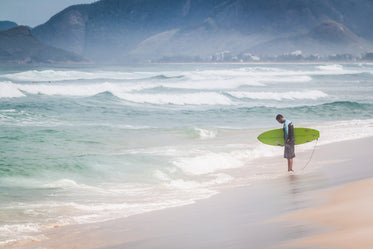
84	145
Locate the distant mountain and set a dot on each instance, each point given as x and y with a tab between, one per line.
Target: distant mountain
18	45
329	37
118	30
5	25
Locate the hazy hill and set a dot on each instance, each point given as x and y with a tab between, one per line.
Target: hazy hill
118	30
4	25
18	45
329	37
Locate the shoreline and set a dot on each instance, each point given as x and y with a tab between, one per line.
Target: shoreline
231	219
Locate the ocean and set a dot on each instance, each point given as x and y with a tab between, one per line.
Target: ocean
89	144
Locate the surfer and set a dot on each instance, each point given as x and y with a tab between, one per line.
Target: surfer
288	140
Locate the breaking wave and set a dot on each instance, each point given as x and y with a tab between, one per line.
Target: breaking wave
314	94
9	90
147	93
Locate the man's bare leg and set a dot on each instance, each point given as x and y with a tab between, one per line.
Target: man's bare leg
290	164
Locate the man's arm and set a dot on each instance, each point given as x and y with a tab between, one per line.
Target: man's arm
286	131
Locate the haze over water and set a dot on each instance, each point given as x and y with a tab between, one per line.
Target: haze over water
87	145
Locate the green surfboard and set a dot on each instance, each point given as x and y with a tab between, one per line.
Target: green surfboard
301	135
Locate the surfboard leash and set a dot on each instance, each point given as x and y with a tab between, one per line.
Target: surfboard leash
313	151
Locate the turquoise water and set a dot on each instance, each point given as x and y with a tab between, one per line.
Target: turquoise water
82	145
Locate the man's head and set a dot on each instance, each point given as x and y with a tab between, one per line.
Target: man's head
280	118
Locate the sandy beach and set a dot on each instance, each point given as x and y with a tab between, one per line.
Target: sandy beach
326	202
348	214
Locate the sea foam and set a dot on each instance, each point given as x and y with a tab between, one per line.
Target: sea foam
9	90
332	67
59	75
205	134
123	91
208	163
291	95
200	98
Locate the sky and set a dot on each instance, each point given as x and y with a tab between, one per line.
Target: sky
33	12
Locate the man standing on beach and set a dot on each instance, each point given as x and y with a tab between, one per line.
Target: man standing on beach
288	140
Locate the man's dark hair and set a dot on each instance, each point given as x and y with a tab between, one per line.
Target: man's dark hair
279	116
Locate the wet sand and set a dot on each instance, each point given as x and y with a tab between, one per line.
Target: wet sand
244	217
